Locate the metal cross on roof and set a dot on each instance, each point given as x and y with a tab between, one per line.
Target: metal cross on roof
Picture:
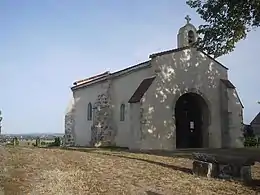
188	19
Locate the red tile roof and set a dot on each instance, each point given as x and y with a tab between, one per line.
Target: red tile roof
90	79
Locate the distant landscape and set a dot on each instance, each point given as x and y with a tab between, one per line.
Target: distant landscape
32	134
5	138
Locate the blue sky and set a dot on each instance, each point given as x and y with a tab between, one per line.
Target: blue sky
46	45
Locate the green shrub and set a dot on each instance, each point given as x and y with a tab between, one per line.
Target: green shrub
38	141
43	143
15	141
251	142
56	142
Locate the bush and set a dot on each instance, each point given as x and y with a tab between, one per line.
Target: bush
251	142
43	143
38	141
15	141
56	142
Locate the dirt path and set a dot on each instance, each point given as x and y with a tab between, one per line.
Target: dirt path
54	171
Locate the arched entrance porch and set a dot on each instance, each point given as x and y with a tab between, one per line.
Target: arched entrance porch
192	121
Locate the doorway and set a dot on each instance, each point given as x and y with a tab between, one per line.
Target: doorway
191	115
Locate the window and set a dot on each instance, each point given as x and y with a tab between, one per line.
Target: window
191	37
122	112
89	112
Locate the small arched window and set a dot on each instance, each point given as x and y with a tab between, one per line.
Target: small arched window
191	37
89	114
122	112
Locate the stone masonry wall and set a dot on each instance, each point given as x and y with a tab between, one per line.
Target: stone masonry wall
69	138
69	130
102	133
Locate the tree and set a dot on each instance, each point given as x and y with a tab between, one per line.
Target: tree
227	22
38	142
15	141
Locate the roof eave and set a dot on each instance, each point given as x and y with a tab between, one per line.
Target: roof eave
88	84
112	75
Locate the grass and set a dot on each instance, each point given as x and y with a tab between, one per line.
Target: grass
89	171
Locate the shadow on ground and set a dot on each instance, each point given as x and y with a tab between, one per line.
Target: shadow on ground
94	150
177	168
152	193
180	153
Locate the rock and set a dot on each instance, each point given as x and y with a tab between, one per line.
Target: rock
226	171
241	173
246	174
224	167
224	159
204	169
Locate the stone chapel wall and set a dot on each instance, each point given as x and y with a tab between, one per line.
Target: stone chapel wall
123	87
226	137
82	97
69	138
106	98
235	119
232	117
178	73
102	131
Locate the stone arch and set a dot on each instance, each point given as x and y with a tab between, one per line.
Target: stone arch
191	37
197	100
191	90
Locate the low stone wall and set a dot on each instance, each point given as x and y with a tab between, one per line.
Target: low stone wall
223	166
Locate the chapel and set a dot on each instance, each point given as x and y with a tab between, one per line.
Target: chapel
180	98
